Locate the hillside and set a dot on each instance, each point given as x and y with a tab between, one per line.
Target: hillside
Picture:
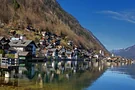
128	52
44	15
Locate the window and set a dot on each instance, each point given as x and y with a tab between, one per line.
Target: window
23	42
15	42
22	58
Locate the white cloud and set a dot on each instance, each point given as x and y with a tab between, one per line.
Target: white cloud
128	16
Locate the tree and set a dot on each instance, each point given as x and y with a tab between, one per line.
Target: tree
16	4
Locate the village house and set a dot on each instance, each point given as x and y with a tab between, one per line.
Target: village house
43	33
49	46
51	52
70	43
24	46
62	53
23	56
4	43
101	52
69	54
42	42
57	42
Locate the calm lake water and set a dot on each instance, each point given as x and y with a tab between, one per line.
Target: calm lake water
117	78
109	76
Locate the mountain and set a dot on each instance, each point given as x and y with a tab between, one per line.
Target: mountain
128	52
45	15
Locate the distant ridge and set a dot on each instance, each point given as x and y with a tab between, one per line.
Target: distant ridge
127	52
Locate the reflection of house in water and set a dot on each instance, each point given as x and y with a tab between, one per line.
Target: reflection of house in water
96	64
26	71
48	76
8	81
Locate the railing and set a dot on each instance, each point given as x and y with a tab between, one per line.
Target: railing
4	63
7	62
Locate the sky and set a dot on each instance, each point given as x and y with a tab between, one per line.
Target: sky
111	21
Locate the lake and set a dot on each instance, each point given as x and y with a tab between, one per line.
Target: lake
117	78
107	76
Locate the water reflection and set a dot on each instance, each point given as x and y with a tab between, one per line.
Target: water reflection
56	75
126	69
116	78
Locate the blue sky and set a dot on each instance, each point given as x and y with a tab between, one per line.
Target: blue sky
111	21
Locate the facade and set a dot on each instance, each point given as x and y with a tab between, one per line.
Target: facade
69	55
24	46
24	56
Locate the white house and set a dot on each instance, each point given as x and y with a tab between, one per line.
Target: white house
68	54
24	45
43	33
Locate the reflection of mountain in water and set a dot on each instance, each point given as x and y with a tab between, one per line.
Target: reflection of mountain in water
129	70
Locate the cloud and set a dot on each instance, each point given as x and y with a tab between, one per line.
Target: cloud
128	16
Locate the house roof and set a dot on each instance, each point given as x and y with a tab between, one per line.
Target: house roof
63	50
1	38
11	49
23	53
53	49
68	52
20	43
49	46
